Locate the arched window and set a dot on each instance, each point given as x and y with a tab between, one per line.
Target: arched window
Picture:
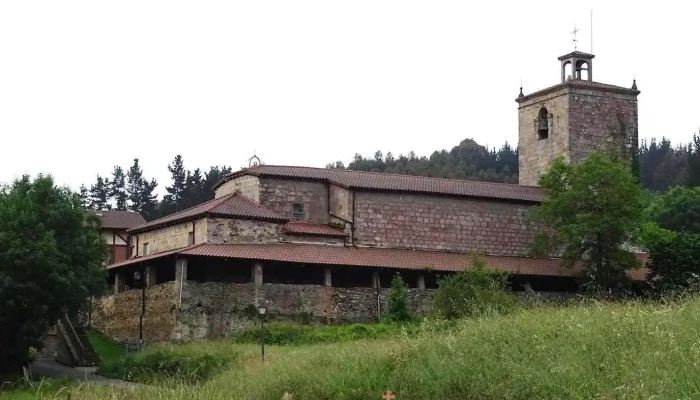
543	124
582	70
568	71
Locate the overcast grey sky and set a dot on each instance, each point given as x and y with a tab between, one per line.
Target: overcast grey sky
86	85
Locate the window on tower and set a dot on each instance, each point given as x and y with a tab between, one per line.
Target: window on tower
543	124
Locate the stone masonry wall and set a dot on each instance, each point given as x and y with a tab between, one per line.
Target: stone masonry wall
216	310
171	237
117	315
583	121
601	121
224	230
537	155
247	185
280	194
341	202
443	223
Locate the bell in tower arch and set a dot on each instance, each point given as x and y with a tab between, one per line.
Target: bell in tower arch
543	124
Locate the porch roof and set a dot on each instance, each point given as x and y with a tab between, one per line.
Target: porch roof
365	257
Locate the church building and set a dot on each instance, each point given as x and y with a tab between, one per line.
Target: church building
319	244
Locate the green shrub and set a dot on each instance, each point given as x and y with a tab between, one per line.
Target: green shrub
673	258
473	292
287	334
181	363
397	301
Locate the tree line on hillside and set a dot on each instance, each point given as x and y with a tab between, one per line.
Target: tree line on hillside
662	165
134	192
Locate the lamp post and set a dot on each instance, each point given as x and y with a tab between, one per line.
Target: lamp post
261	312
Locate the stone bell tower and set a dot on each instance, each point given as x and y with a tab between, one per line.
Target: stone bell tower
573	119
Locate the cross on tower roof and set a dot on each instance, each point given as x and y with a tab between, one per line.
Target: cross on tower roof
575	40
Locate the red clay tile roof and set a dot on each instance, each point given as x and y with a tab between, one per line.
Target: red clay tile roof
373	257
232	205
161	254
376	257
581	84
399	183
304	228
114	219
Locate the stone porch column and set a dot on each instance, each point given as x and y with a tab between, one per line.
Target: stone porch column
328	283
327	277
421	282
119	282
376	284
180	286
375	280
257	279
150	276
180	279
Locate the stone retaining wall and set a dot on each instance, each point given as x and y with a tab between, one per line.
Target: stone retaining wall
117	315
215	310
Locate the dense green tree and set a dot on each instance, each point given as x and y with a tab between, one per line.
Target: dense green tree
476	291
195	192
593	210
174	200
398	309
659	165
140	192
117	189
694	161
212	177
51	260
84	196
99	194
673	257
468	160
678	209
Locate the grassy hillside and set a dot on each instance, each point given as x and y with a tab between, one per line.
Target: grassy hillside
600	351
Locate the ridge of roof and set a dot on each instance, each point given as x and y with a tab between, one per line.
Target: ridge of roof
395	182
210	207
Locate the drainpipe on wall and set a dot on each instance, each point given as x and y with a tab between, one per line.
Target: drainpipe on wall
379	300
352	234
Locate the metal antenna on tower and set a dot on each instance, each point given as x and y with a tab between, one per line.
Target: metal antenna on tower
591	31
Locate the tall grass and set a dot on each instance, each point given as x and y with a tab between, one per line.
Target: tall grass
597	351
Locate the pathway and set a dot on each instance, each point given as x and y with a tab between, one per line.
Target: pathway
51	369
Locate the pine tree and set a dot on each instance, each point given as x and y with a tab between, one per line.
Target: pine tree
140	192
694	161
148	199
397	301
84	197
134	185
211	178
99	194
194	189
176	192
118	189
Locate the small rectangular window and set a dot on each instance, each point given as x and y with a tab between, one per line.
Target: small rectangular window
298	212
190	238
145	249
